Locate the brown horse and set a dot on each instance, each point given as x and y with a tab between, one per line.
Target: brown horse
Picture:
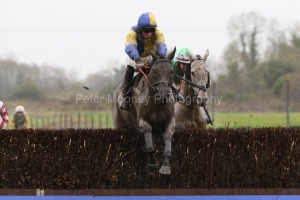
191	113
152	109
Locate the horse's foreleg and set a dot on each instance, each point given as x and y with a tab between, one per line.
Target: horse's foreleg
146	129
166	167
168	135
201	118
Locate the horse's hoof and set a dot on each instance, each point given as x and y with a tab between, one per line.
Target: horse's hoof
165	170
152	167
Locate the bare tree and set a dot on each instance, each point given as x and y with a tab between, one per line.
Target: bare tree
246	29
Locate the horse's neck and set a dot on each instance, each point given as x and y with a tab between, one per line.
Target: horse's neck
145	86
149	86
185	88
186	91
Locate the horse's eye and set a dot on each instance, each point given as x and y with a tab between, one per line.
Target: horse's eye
193	73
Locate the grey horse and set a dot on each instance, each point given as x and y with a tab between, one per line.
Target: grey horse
191	113
152	109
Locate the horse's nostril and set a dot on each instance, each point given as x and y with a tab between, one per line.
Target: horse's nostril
169	94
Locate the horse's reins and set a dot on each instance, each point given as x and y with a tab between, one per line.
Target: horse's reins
140	70
201	87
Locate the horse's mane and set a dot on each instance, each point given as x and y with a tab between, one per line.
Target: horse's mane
198	57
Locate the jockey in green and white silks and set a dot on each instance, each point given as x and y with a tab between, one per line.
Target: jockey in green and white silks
180	63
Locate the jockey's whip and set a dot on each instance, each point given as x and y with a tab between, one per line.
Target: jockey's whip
201	87
206	111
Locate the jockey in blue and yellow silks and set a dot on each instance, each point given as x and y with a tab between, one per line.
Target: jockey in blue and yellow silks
144	37
141	38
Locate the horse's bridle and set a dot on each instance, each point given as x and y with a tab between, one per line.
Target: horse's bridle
206	86
158	82
208	78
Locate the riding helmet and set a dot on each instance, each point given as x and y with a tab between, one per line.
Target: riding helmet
147	20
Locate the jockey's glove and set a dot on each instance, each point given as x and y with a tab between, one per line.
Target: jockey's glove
139	63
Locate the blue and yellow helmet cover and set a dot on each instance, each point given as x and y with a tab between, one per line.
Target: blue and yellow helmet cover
147	20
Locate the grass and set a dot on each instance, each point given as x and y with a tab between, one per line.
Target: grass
222	120
257	119
42	115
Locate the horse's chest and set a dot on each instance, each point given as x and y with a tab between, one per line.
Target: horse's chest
156	114
183	112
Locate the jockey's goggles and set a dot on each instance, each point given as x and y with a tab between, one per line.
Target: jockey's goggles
147	30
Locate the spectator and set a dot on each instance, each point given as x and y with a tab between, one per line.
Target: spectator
19	119
3	115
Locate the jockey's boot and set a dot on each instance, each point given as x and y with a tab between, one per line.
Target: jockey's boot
125	87
177	95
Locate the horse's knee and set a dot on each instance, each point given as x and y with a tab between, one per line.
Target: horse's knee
145	127
150	151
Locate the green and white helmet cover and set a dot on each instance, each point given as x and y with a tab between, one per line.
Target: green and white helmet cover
182	55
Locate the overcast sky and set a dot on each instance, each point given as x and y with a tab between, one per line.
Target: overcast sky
85	35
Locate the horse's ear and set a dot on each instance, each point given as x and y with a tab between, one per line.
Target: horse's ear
172	54
190	55
206	55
